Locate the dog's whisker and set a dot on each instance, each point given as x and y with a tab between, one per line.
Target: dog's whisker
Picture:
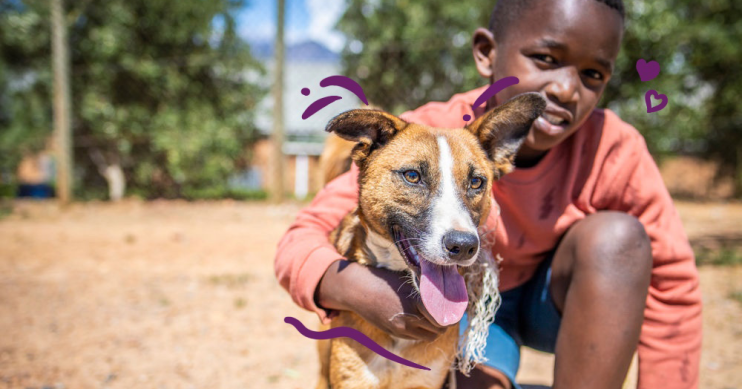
409	238
417	245
404	314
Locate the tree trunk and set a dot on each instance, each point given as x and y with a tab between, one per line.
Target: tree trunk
116	180
113	174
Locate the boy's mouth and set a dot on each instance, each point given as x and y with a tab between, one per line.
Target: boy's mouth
555	120
551	124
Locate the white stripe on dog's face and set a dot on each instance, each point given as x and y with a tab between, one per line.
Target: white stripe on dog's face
449	212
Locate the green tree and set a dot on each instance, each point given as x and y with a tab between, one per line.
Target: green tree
409	52
25	76
697	45
163	89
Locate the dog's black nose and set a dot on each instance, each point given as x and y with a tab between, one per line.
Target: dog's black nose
460	246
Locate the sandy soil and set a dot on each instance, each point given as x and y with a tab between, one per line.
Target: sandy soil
182	295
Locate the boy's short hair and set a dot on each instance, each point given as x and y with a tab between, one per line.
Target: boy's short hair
506	11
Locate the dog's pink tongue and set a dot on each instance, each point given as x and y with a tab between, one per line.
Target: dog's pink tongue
443	292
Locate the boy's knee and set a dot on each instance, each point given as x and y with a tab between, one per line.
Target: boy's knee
613	242
615	231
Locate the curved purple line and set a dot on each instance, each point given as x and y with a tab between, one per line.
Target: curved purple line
347	83
319	104
494	88
347	332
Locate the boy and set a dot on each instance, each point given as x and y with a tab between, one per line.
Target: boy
596	263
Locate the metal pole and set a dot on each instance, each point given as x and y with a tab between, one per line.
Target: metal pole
277	135
62	127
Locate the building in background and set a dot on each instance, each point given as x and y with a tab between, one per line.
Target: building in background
306	65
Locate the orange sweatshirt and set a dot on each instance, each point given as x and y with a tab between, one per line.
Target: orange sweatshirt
605	165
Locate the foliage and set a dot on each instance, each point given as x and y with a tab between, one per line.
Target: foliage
697	45
410	52
161	87
7	191
722	256
24	70
217	192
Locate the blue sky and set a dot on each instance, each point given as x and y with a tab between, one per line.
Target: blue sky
305	20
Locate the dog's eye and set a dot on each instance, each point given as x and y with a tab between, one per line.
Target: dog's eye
412	176
476	182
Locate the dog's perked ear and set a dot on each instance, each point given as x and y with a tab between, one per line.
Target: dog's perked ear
370	128
502	130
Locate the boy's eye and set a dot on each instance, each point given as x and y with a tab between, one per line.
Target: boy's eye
594	74
411	176
476	182
545	58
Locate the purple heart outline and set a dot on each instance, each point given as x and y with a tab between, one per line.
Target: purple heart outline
648	99
647	70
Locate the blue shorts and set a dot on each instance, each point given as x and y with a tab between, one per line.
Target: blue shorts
527	317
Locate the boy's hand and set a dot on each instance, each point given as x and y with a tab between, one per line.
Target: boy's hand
382	297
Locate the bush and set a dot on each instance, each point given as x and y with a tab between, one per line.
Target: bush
215	193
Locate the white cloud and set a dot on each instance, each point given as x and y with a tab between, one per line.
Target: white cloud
323	15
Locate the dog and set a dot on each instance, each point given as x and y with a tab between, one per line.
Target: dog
335	158
423	194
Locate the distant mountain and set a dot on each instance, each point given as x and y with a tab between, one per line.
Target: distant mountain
308	51
311	51
261	50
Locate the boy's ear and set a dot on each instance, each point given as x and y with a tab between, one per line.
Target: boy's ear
502	130
483	49
371	129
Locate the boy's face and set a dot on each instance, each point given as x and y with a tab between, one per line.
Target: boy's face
564	50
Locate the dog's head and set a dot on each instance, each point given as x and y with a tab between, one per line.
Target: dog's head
424	191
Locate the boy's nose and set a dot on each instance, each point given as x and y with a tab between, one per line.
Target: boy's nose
564	87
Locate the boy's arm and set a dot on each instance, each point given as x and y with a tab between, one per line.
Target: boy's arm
304	253
670	341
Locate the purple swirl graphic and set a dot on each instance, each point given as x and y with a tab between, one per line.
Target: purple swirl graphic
492	90
319	104
347	83
347	332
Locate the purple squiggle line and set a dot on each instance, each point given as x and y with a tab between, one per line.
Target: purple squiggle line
347	83
319	104
494	88
347	332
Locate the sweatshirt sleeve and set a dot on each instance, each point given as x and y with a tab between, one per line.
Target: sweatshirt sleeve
304	253
670	341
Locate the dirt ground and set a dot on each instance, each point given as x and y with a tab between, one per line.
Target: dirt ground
170	294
